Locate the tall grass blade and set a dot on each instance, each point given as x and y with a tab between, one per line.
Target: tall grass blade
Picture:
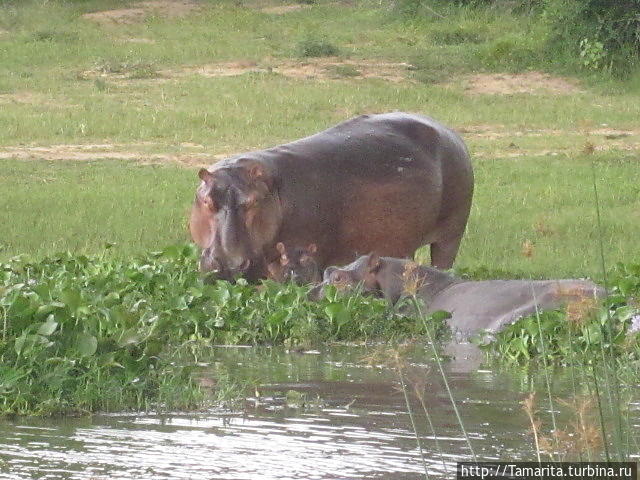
413	421
436	355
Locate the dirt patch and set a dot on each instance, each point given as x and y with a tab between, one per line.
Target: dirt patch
88	152
499	131
282	9
139	40
141	10
509	84
32	98
330	68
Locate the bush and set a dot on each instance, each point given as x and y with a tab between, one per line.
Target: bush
605	34
317	47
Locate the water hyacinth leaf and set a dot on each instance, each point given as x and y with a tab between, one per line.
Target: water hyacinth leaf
179	303
190	250
48	327
72	299
440	315
195	292
338	313
86	344
129	337
531	325
522	346
25	343
172	252
112	298
153	348
220	295
43	290
593	333
19	343
108	360
19	306
44	310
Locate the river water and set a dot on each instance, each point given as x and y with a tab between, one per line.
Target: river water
315	415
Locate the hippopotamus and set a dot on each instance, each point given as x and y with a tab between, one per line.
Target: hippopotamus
389	182
475	306
295	264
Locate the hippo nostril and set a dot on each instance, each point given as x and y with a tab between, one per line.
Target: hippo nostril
216	266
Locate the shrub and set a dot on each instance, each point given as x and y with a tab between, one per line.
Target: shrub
609	30
317	47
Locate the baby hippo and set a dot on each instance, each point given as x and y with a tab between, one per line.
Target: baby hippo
296	265
474	305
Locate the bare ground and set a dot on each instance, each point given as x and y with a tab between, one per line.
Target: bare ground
329	68
498	131
336	68
106	151
529	82
141	10
282	9
32	98
196	155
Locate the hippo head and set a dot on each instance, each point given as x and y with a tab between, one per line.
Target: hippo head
362	273
235	217
296	265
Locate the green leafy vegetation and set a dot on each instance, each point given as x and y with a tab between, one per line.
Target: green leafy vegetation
81	334
94	330
313	46
608	33
597	35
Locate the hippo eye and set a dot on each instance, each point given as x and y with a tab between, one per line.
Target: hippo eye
208	201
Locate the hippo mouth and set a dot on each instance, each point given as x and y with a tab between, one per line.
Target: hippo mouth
214	269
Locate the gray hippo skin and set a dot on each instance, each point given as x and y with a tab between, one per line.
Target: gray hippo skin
387	183
474	305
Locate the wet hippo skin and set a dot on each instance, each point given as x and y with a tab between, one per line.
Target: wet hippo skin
474	305
390	183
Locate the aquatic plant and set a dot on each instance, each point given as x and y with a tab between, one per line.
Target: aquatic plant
81	334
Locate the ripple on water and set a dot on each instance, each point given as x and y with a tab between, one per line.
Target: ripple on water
370	439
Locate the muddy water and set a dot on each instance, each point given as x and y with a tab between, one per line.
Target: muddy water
316	415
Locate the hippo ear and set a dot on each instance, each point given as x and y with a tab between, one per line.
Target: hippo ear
373	264
205	175
312	248
257	172
275	273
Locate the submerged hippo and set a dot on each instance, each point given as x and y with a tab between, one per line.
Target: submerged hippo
389	183
296	265
474	305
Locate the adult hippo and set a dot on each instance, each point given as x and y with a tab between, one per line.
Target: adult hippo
474	305
389	183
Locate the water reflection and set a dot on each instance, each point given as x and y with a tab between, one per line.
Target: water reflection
353	425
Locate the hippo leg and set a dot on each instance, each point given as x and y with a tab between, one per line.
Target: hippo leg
444	251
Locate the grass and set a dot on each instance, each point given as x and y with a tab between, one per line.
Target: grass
67	81
48	207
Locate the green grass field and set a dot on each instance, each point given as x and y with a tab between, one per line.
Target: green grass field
103	124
